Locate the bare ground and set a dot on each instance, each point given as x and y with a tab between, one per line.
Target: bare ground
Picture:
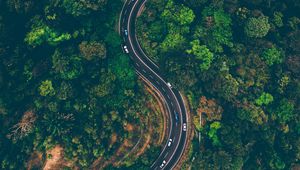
56	159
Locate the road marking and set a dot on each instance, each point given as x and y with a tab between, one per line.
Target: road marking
164	89
137	64
151	76
168	96
166	155
130	41
144	71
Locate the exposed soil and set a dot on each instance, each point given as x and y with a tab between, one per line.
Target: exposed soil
129	127
55	159
35	161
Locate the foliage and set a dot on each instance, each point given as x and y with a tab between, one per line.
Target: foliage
284	111
277	19
217	31
201	53
85	7
43	33
264	99
252	75
81	89
89	50
172	41
272	56
257	27
213	128
68	67
46	88
178	13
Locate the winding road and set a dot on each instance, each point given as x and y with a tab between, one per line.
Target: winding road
149	71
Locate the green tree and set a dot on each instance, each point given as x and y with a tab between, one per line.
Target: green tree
179	14
215	29
195	3
264	99
252	113
172	41
225	86
212	133
67	66
46	88
257	27
277	19
272	56
285	111
201	53
90	50
41	33
83	7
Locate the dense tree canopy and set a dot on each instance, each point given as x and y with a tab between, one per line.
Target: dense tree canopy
257	27
242	57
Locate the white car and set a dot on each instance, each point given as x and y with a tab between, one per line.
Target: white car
163	164
126	32
170	142
184	126
169	84
126	49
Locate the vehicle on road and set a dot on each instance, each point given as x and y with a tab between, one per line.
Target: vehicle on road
184	126
163	164
170	142
126	49
169	84
126	32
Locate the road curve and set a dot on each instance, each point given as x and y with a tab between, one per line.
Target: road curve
149	71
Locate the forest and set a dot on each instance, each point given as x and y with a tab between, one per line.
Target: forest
65	81
66	84
238	62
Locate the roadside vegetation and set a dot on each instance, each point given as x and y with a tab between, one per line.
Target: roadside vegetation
69	97
238	63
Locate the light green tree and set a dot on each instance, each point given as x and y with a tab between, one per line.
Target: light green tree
179	14
46	88
212	133
172	41
257	27
41	33
264	99
277	19
202	53
272	56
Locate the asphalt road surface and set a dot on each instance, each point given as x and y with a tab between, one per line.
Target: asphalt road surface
172	150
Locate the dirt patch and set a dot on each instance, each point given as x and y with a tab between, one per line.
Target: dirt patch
35	161
113	138
127	143
129	127
145	146
55	159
